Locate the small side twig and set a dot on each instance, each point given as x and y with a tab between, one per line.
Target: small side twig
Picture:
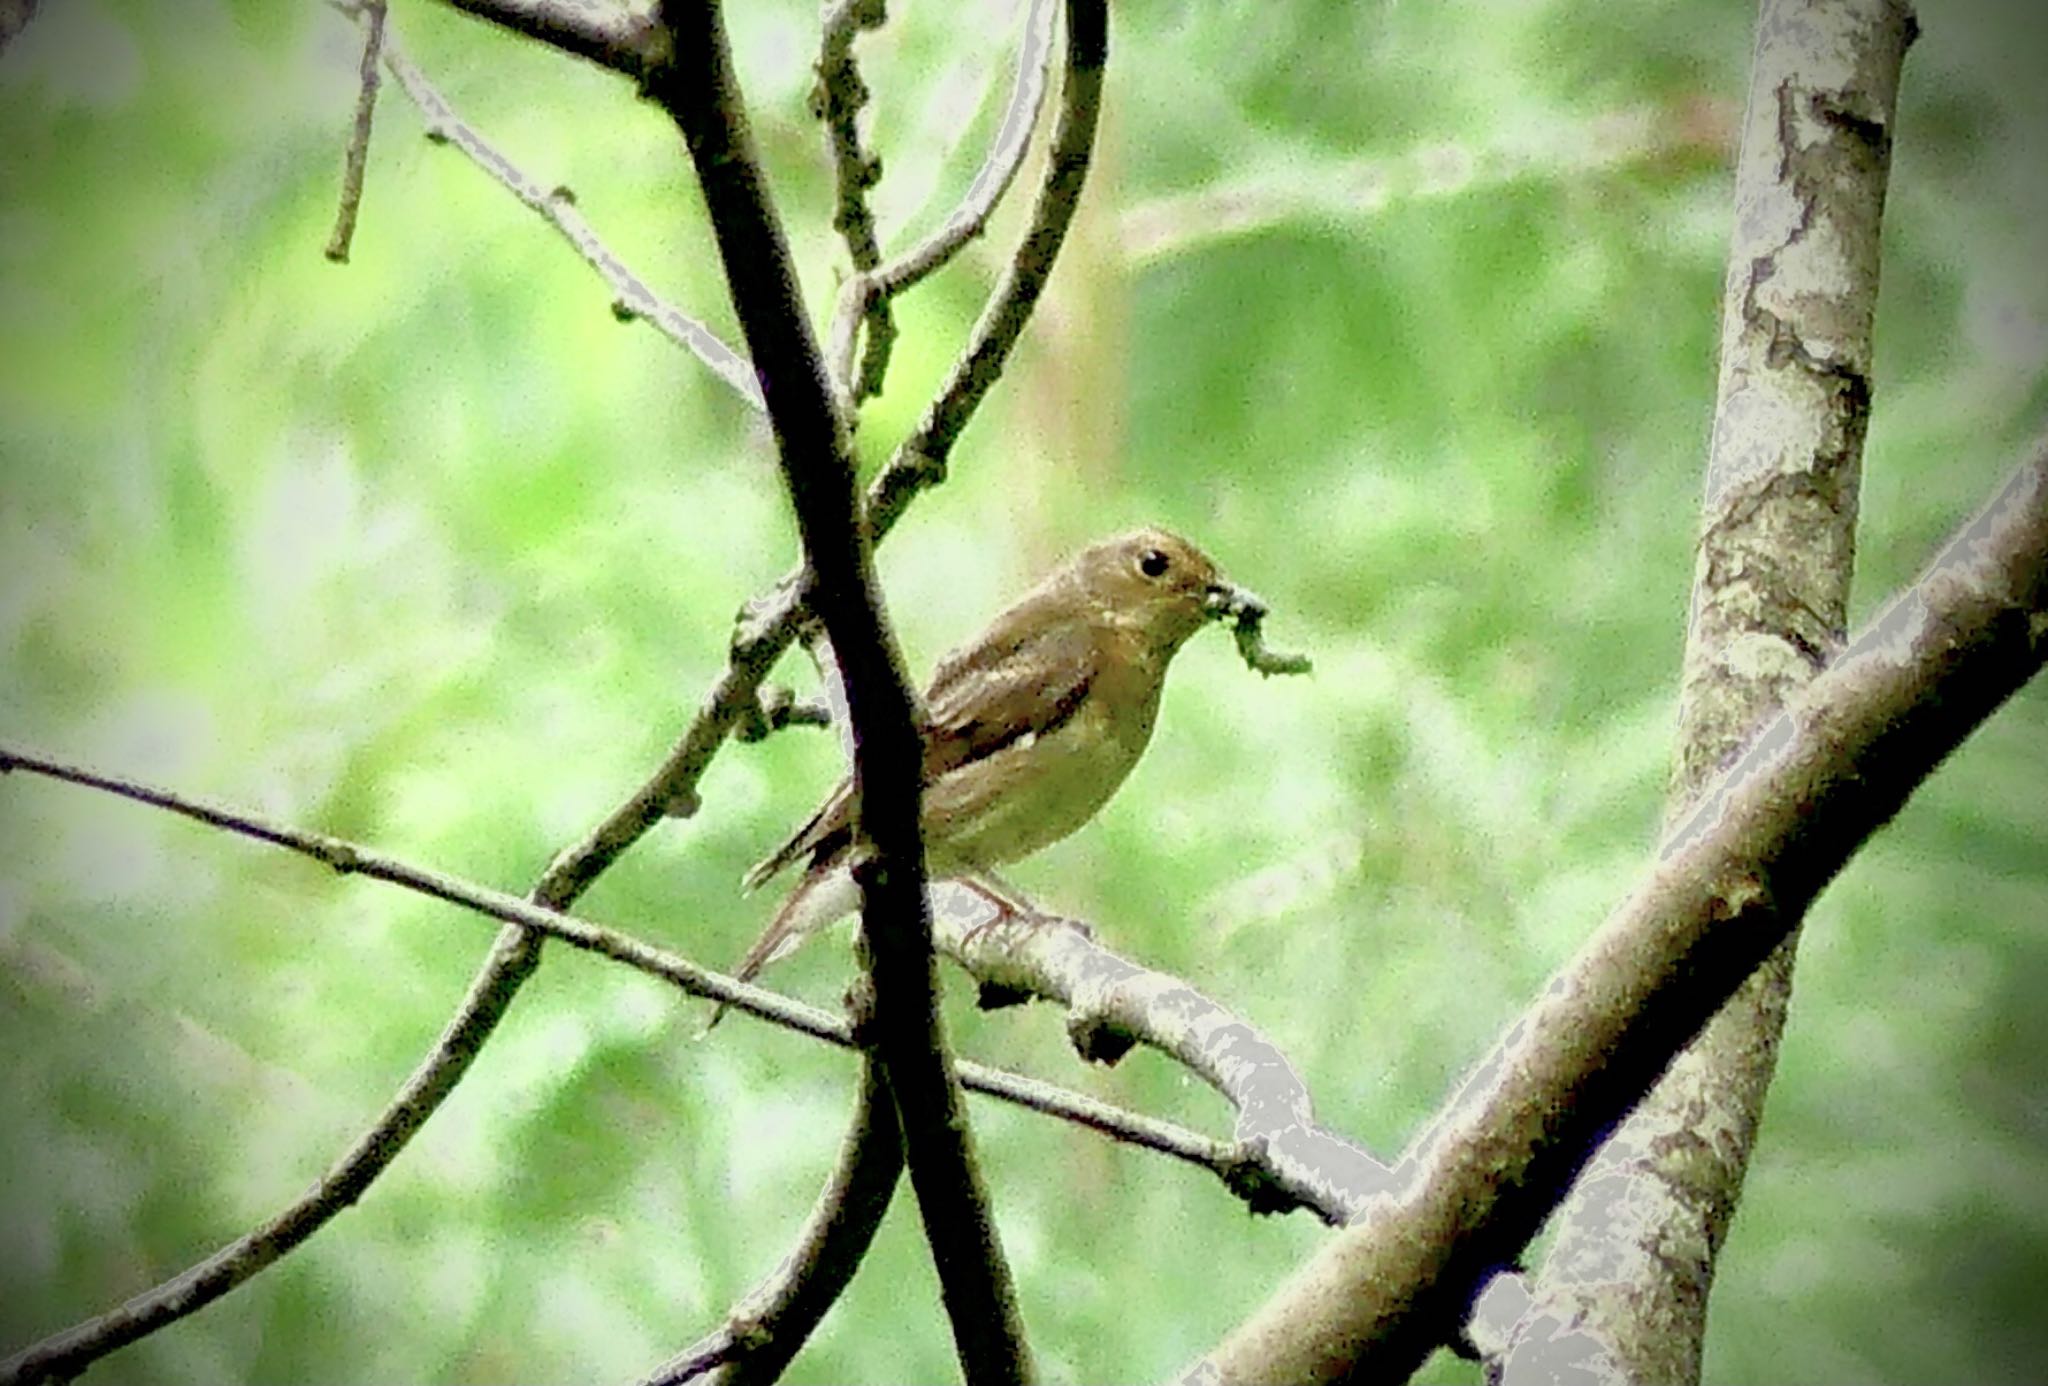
632	299
868	291
775	707
371	17
837	100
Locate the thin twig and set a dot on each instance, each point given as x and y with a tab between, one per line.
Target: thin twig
631	298
350	858
371	17
863	294
699	88
997	172
919	461
837	100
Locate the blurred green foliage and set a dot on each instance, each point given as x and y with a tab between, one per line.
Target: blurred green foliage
431	552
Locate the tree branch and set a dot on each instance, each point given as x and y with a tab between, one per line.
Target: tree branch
919	461
569	876
867	293
764	1330
606	34
371	17
1770	604
837	100
631	298
1729	885
1288	1159
700	90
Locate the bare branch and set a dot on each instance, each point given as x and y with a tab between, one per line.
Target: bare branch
919	461
837	100
1303	187
606	34
765	1330
568	877
631	298
1112	1003
1728	886
371	19
867	293
699	88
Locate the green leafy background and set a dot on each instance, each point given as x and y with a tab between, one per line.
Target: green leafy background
430	552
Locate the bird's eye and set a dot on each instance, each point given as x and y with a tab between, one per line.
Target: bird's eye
1152	563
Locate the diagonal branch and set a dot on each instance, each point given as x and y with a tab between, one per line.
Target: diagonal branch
631	297
1729	885
919	461
1770	602
607	34
865	297
571	873
700	90
764	1331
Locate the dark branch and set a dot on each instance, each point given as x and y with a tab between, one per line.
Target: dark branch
606	34
764	1331
699	88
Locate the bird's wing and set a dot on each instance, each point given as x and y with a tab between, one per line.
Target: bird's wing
1025	677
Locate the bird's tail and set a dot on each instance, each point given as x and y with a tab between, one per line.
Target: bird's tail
825	895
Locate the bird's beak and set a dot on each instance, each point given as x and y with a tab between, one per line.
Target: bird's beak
1225	601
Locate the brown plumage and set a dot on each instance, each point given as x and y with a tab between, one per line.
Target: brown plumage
1029	729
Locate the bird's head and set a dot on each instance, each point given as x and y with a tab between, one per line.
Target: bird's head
1159	584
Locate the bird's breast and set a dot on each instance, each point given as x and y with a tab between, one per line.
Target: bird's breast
1036	790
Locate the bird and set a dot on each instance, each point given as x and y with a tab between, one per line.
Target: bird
1028	729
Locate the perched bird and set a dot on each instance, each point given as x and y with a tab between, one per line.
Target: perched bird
1028	730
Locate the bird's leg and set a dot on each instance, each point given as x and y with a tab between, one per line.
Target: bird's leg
1012	905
